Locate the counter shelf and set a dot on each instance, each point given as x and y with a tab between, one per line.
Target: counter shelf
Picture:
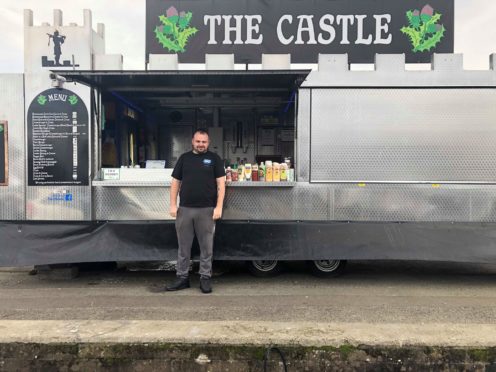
261	184
123	183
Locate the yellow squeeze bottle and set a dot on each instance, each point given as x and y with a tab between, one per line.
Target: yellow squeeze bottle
268	171
276	174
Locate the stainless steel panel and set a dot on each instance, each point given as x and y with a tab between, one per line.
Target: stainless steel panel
12	197
46	203
402	203
132	203
303	133
303	202
403	135
317	202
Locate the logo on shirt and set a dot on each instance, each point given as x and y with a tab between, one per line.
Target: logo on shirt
207	162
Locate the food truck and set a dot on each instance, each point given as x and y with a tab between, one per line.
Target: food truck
385	164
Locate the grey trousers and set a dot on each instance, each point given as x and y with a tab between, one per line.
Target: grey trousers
191	221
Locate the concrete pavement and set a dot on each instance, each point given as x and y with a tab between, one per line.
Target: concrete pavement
380	305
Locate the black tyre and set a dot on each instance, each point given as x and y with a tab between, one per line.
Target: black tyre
264	268
327	268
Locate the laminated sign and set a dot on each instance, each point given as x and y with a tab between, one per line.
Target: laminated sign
249	28
57	139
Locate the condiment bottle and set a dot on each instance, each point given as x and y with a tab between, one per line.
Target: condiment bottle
284	172
261	172
291	175
268	171
241	173
276	173
248	171
288	162
254	172
228	174
234	173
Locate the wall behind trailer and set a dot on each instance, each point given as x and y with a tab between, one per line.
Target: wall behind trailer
12	196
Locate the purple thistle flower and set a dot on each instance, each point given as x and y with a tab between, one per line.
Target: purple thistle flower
416	13
427	10
172	11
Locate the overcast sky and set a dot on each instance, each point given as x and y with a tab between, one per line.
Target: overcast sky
475	32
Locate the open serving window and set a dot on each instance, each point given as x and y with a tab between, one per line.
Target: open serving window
146	120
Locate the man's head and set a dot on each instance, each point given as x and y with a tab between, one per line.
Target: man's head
200	141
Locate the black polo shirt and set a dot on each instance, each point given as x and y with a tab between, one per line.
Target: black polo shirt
198	174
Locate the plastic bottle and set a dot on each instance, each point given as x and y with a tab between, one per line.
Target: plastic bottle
276	173
241	173
284	172
248	171
228	174
254	172
288	162
261	172
291	175
234	173
268	171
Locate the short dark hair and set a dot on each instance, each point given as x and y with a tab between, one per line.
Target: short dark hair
201	131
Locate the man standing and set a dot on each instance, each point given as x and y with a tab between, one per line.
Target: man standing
199	177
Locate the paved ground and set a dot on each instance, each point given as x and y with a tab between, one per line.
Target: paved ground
383	302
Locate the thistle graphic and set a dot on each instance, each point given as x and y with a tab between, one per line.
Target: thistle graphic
173	33
73	100
423	31
1	128
42	99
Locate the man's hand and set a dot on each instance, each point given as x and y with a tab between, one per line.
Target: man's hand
173	211
217	213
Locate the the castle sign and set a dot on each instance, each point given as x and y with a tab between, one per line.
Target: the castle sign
304	29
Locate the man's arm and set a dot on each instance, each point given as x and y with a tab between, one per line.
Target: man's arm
221	191
174	190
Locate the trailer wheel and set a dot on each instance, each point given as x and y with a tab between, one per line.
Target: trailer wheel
327	268
264	268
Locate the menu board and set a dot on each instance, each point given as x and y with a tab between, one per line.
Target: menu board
57	124
4	155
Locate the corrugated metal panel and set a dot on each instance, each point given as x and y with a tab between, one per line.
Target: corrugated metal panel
12	197
403	135
312	202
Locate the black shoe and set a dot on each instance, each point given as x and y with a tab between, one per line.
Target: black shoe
179	283
205	285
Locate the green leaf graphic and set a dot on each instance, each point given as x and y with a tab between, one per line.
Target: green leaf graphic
424	31
431	42
184	21
166	42
182	40
173	33
413	35
73	100
435	18
167	24
42	99
1	128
